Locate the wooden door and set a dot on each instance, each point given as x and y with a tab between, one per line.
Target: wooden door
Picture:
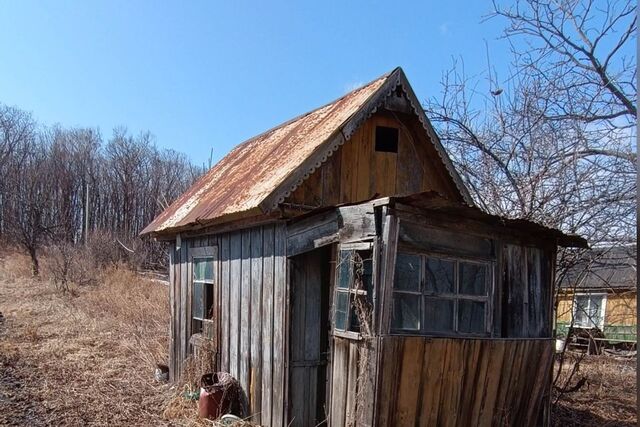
308	348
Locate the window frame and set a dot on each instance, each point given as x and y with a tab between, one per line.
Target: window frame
603	309
351	291
423	294
209	325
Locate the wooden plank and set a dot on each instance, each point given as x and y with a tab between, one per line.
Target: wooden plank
340	363
235	281
298	393
267	323
331	179
279	328
443	241
346	171
172	302
352	384
357	222
367	366
515	285
256	324
451	370
410	169
225	301
387	390
245	313
483	355
388	261
364	156
412	355
184	282
313	235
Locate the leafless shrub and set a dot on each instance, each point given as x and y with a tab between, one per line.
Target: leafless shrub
71	265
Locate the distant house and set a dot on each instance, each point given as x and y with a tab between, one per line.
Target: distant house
601	292
342	271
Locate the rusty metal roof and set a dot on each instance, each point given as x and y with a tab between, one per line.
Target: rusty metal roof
259	173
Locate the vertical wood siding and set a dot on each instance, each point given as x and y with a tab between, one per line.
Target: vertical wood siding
353	382
357	171
251	280
451	382
527	286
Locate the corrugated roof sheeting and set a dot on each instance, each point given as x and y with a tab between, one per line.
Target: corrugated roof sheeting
255	168
604	269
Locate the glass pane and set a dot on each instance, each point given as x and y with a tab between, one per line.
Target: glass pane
344	269
582	315
473	279
354	324
407	274
197	307
406	312
595	302
342	305
471	316
439	276
203	269
363	269
438	315
196	327
208	300
208	269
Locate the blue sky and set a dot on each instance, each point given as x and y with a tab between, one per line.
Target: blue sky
203	75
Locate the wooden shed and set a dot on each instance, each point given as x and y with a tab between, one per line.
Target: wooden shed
341	269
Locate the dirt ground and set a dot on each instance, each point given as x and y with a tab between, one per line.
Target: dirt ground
88	358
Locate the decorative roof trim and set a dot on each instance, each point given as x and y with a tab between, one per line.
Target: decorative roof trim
396	78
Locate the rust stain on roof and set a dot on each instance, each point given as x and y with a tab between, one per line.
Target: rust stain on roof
254	169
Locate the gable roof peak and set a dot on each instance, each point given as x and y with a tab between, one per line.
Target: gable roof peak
261	172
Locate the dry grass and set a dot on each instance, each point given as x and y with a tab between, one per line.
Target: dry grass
86	356
83	360
608	398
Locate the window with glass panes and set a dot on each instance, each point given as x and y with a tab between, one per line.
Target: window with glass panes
354	284
202	293
589	310
437	295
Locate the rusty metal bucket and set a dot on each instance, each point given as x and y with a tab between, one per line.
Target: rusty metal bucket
213	401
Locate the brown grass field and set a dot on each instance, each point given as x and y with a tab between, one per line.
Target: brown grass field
87	357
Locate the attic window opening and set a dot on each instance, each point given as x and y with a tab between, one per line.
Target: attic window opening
386	139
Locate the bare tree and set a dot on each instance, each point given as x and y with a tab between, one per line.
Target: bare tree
555	141
17	129
584	50
31	222
58	183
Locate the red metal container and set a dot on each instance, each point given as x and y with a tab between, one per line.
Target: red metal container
213	403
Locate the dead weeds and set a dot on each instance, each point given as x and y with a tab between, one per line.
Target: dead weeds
84	360
608	397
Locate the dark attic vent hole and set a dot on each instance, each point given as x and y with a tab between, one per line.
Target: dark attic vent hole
386	139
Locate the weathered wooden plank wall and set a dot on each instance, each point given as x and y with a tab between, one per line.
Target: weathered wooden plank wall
455	382
308	285
353	382
357	172
527	291
252	282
